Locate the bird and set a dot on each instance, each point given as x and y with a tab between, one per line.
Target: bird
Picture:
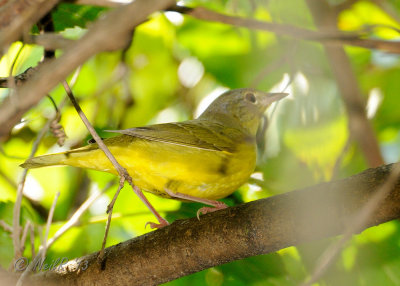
201	160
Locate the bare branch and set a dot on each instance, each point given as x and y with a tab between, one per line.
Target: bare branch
48	224
17	205
43	247
32	241
327	36
6	226
70	223
77	215
25	234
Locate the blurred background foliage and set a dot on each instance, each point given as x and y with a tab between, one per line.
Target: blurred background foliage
172	70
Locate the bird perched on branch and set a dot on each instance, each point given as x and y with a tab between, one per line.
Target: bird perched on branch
200	160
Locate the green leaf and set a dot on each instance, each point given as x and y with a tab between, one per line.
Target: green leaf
69	15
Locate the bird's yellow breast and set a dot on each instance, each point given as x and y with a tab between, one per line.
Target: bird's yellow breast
155	166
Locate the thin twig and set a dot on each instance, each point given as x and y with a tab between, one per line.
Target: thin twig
32	240
17	206
122	172
48	224
25	235
15	59
70	223
6	226
41	256
331	37
110	208
74	219
11	79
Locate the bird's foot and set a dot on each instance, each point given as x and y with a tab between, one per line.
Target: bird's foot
154	225
218	206
215	205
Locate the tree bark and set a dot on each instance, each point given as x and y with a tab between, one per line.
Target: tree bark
111	32
254	228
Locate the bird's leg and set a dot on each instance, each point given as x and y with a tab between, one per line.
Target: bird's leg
162	222
215	205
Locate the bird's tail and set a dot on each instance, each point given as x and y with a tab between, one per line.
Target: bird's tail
45	160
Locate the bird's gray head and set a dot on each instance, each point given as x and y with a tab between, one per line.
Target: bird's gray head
241	107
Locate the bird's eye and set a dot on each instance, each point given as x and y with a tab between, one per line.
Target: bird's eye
250	97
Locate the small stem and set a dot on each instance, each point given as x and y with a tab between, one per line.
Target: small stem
110	208
6	226
48	224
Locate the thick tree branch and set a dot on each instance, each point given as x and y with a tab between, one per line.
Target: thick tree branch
255	228
50	41
108	33
18	16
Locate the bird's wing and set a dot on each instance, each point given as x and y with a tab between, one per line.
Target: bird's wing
194	134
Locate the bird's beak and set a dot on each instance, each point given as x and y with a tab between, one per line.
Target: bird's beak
275	96
271	97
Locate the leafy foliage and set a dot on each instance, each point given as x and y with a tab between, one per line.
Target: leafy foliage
68	15
176	63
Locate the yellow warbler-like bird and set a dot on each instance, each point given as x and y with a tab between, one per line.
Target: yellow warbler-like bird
201	160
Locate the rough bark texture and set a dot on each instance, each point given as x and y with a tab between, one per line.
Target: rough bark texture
18	16
255	228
